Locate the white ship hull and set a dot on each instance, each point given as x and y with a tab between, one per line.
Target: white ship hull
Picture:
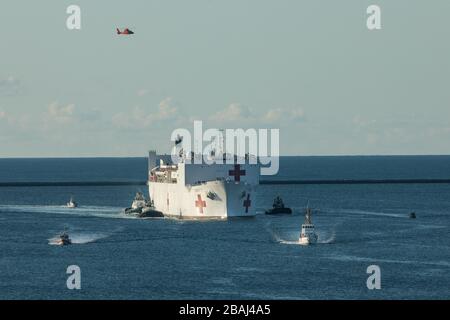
210	199
308	239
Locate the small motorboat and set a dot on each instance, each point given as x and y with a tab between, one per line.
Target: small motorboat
278	207
64	239
308	234
412	215
72	203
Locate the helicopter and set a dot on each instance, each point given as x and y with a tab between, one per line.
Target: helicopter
125	31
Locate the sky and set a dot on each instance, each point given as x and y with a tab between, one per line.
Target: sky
310	68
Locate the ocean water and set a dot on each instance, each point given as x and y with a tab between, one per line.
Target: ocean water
257	258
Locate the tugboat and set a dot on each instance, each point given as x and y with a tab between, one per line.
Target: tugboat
412	215
149	211
72	203
278	207
138	203
64	239
308	234
143	208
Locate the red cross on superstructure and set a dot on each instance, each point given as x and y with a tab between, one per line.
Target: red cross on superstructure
199	203
237	172
247	203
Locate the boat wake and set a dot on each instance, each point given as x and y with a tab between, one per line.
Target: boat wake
326	241
351	258
292	237
297	242
93	211
372	213
327	237
80	238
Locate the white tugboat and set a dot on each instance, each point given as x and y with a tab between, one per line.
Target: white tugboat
72	203
138	203
308	234
142	207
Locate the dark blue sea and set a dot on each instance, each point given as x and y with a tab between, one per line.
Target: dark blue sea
129	258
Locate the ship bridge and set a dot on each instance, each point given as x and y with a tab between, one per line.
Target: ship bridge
192	174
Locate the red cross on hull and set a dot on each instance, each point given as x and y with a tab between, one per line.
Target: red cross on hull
247	203
199	203
237	172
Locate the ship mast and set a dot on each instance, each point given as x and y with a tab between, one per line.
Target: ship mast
308	214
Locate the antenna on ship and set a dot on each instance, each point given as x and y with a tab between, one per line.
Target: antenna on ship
238	152
197	152
221	143
218	145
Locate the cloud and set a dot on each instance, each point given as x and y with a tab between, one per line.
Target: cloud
273	115
360	122
283	115
11	122
232	112
142	92
166	109
59	114
10	86
6	117
297	114
236	112
141	118
54	115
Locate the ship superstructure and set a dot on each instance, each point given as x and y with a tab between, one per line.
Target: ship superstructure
308	234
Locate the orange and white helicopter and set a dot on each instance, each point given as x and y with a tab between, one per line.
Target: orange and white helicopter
125	31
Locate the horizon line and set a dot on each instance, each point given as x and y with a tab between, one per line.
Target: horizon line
168	154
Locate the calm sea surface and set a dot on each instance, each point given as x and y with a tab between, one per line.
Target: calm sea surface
127	258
